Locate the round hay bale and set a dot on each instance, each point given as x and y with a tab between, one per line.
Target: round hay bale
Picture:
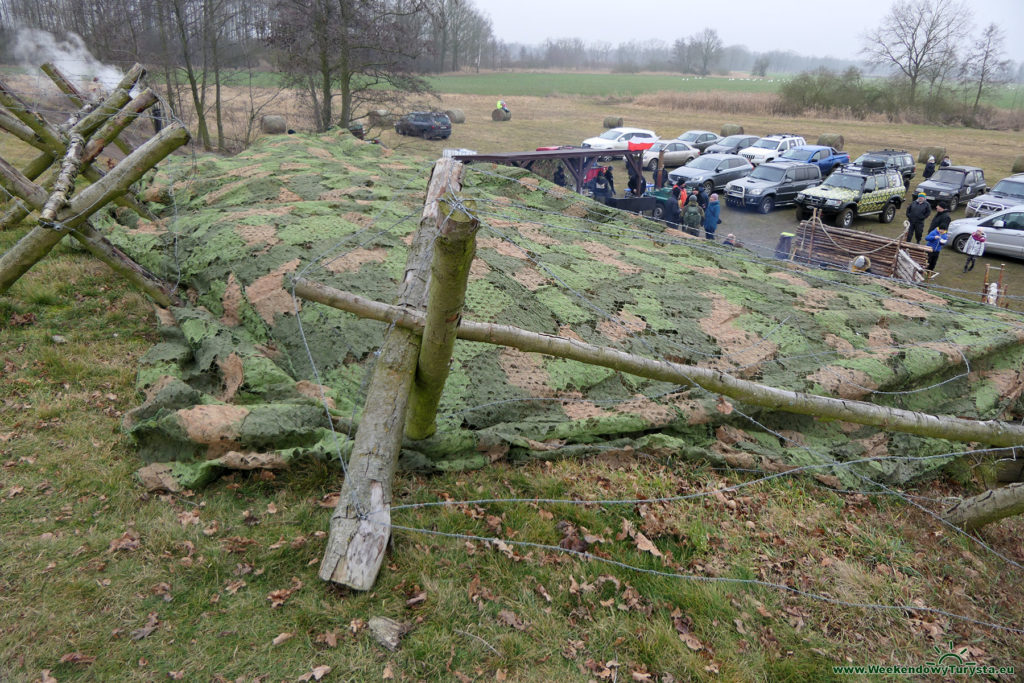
831	140
613	122
456	115
937	152
273	125
731	129
501	115
379	118
1018	165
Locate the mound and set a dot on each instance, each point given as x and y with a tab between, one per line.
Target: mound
243	374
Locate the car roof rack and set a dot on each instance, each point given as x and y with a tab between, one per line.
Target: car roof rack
866	169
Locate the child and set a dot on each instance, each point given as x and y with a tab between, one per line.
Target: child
974	247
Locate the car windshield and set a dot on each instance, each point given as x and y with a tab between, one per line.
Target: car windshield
731	141
797	154
441	118
690	137
950	176
703	163
767	173
850	182
767	144
1014	188
610	134
658	146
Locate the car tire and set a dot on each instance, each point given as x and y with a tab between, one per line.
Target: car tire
709	187
652	165
960	242
844	219
888	213
954	202
658	212
766	205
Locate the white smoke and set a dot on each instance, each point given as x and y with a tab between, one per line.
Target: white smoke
33	47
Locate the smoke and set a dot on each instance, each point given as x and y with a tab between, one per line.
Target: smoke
33	47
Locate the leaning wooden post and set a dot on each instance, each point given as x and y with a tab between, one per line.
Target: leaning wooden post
360	525
65	181
40	240
449	275
77	97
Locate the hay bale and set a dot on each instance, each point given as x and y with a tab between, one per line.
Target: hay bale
379	118
273	125
831	140
500	114
613	122
1018	165
731	129
937	152
456	115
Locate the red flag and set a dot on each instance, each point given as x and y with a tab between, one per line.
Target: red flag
639	146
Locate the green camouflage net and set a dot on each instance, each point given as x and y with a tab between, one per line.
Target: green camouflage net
231	384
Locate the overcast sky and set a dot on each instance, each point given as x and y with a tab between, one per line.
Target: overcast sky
824	28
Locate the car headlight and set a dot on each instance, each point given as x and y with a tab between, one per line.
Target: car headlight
755	190
832	202
801	197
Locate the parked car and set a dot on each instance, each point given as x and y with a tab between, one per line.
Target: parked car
731	145
677	153
827	159
701	139
954	184
427	124
1007	192
712	171
773	184
619	138
1004	231
871	189
769	148
899	159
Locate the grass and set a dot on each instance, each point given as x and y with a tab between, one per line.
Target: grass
541	84
102	581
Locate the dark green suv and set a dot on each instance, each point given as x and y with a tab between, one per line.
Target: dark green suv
854	191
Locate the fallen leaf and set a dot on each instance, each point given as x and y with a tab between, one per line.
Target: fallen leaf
509	618
328	638
76	658
279	597
46	677
282	637
189	517
15	490
212	529
723	406
641	676
711	668
22	319
739	627
176	675
152	623
316	674
234	586
388	674
643	543
271	509
129	540
692	641
416	599
330	500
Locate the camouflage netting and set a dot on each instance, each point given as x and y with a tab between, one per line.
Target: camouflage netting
231	385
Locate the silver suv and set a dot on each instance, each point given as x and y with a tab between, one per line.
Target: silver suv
770	148
1007	192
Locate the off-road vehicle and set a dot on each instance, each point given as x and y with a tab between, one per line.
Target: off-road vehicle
1007	192
428	124
772	184
899	159
953	185
854	191
771	147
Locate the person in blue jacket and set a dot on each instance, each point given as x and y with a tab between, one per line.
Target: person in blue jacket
711	219
937	237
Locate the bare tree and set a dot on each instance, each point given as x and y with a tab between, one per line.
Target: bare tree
917	38
359	52
707	47
985	65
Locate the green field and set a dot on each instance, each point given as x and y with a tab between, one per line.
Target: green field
593	84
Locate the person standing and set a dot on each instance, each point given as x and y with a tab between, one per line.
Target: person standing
693	217
929	168
611	180
917	212
945	162
702	198
671	215
601	192
974	247
559	177
937	236
711	219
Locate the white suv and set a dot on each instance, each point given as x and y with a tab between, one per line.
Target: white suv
770	148
619	138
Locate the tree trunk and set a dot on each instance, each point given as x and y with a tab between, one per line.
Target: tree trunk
65	182
945	427
971	514
359	527
449	274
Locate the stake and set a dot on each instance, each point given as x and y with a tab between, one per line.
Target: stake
449	274
360	524
77	97
991	432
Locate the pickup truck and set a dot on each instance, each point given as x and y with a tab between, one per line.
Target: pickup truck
827	159
771	148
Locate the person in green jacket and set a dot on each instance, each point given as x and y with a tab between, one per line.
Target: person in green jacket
693	217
